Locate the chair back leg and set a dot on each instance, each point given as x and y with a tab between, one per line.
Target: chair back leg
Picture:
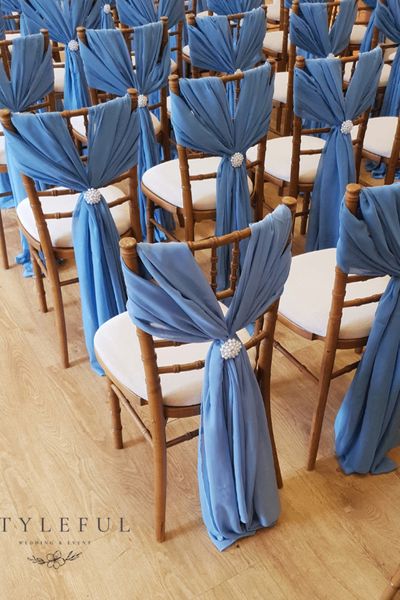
3	246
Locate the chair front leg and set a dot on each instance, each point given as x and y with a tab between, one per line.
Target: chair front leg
3	245
115	417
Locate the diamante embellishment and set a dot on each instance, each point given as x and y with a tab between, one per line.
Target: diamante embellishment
73	45
237	160
142	101
346	127
92	196
107	9
230	348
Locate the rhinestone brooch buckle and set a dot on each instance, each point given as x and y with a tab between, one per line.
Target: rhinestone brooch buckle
92	196
231	348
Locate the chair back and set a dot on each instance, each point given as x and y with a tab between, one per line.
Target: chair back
224	44
61	21
213	120
340	109
387	22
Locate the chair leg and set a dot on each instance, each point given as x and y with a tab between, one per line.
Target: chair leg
328	361
60	322
149	224
3	245
115	417
305	209
39	282
160	484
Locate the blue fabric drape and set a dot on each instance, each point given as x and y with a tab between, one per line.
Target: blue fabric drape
7	8
212	45
232	7
43	149
387	20
31	79
140	12
202	121
107	21
108	67
367	39
318	95
237	482
368	423
61	18
309	30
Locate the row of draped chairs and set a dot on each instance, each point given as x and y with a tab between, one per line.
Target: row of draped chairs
135	152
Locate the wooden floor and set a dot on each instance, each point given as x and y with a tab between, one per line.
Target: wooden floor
338	537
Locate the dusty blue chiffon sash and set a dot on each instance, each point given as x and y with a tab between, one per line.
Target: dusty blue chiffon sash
232	7
318	95
237	482
310	31
387	20
212	45
61	18
31	79
43	149
368	423
141	12
108	67
202	120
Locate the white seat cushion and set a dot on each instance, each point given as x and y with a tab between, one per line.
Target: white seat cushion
357	34
61	229
186	51
281	86
59	74
274	11
273	40
384	78
379	136
278	157
118	349
3	160
78	124
164	180
11	35
307	296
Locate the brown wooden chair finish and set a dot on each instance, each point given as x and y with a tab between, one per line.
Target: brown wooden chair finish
188	216
262	340
49	268
332	340
48	103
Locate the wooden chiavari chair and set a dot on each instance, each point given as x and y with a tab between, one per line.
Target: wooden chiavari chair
291	162
161	126
167	376
47	103
187	176
45	218
321	302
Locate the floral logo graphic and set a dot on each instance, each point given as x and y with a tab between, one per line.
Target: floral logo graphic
56	560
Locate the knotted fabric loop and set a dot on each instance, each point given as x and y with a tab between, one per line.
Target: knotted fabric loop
231	348
92	196
73	46
142	101
237	160
346	127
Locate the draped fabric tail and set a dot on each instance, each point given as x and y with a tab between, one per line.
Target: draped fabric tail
96	249
236	491
368	423
76	93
